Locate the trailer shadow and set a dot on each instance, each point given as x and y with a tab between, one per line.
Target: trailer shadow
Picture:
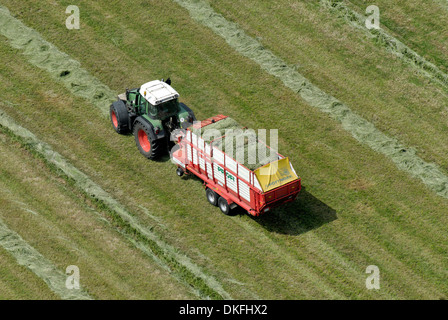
300	216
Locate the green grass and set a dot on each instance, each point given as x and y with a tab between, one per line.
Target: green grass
18	282
420	25
344	63
63	226
124	221
357	208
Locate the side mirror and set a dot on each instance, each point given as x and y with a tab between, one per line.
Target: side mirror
168	81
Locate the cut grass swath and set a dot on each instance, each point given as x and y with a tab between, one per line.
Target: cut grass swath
362	130
46	56
389	42
182	267
29	257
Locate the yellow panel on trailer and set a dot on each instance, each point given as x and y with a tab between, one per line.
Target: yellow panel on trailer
275	174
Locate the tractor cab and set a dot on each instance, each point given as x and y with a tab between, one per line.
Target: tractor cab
162	99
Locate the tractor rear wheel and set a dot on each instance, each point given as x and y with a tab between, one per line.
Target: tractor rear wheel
149	147
212	197
119	117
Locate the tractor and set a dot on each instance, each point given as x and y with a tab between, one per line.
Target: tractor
151	113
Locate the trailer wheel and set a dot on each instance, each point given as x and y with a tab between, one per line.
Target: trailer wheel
212	197
224	206
119	117
180	172
148	147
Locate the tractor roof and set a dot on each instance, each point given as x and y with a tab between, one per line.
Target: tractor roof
157	92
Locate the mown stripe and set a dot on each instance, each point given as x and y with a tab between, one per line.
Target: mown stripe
29	257
362	130
61	66
390	43
181	266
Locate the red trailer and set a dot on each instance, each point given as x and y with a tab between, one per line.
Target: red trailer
229	183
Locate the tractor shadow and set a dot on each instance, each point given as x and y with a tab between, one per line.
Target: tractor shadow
163	158
300	216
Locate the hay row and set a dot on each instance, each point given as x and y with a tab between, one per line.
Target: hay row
61	66
29	257
390	43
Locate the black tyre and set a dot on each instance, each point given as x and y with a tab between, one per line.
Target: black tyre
224	206
212	197
119	117
148	146
180	172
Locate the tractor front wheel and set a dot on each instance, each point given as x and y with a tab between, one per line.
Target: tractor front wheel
150	148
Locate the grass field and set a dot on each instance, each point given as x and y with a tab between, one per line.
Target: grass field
58	222
423	30
357	208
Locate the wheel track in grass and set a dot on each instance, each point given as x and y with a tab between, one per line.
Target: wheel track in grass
353	274
390	43
61	66
373	251
363	131
29	257
304	269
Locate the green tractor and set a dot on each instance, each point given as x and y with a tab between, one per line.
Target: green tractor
151	113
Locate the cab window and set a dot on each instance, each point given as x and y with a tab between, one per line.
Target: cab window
152	110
